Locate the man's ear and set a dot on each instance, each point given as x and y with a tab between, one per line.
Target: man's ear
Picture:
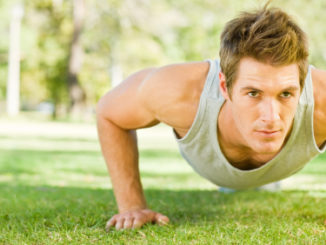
223	87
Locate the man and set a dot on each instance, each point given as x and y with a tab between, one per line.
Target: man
257	116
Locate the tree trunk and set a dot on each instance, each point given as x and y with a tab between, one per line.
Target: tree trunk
76	93
13	83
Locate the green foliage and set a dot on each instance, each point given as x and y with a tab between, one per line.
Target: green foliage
131	34
52	30
5	7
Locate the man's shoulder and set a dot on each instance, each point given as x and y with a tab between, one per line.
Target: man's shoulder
171	89
181	76
176	82
319	85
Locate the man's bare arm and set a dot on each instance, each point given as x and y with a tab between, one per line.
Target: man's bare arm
119	113
319	85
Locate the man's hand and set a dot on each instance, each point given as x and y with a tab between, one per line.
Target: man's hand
136	219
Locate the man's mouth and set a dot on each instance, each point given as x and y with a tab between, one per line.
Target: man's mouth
268	133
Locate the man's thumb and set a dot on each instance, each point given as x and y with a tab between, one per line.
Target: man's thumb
161	219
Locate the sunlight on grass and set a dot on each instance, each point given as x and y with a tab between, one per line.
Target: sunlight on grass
56	190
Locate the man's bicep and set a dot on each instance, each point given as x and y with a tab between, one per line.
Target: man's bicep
125	105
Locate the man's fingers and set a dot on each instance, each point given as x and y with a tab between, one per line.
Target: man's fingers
136	219
119	224
128	223
138	223
110	223
161	219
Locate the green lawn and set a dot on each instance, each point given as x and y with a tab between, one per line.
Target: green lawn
54	189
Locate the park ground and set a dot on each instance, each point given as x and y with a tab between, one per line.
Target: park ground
54	189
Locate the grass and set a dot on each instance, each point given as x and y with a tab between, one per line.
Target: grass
55	190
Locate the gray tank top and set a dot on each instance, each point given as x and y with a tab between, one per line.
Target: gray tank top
201	149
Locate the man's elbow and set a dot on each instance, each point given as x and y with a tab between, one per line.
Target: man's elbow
102	108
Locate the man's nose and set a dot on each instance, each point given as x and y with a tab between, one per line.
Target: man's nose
270	111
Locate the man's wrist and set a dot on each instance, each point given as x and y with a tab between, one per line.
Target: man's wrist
132	208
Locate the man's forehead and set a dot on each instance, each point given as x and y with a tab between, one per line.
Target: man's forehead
252	66
255	72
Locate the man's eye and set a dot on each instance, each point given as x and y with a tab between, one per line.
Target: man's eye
253	94
286	95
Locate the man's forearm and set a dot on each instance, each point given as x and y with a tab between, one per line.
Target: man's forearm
119	148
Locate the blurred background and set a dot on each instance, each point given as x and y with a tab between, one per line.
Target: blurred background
58	57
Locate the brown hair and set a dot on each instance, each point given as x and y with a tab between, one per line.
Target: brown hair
268	35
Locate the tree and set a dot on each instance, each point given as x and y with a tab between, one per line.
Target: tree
122	36
76	92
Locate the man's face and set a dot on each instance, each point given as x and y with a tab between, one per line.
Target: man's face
263	104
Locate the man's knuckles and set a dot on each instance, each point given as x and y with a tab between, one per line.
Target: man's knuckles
128	223
138	223
119	224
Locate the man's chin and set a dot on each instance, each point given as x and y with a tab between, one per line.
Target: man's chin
268	148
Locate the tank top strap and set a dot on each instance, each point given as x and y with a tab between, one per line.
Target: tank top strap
307	90
211	88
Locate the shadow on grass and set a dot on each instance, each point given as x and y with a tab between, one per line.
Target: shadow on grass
65	207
